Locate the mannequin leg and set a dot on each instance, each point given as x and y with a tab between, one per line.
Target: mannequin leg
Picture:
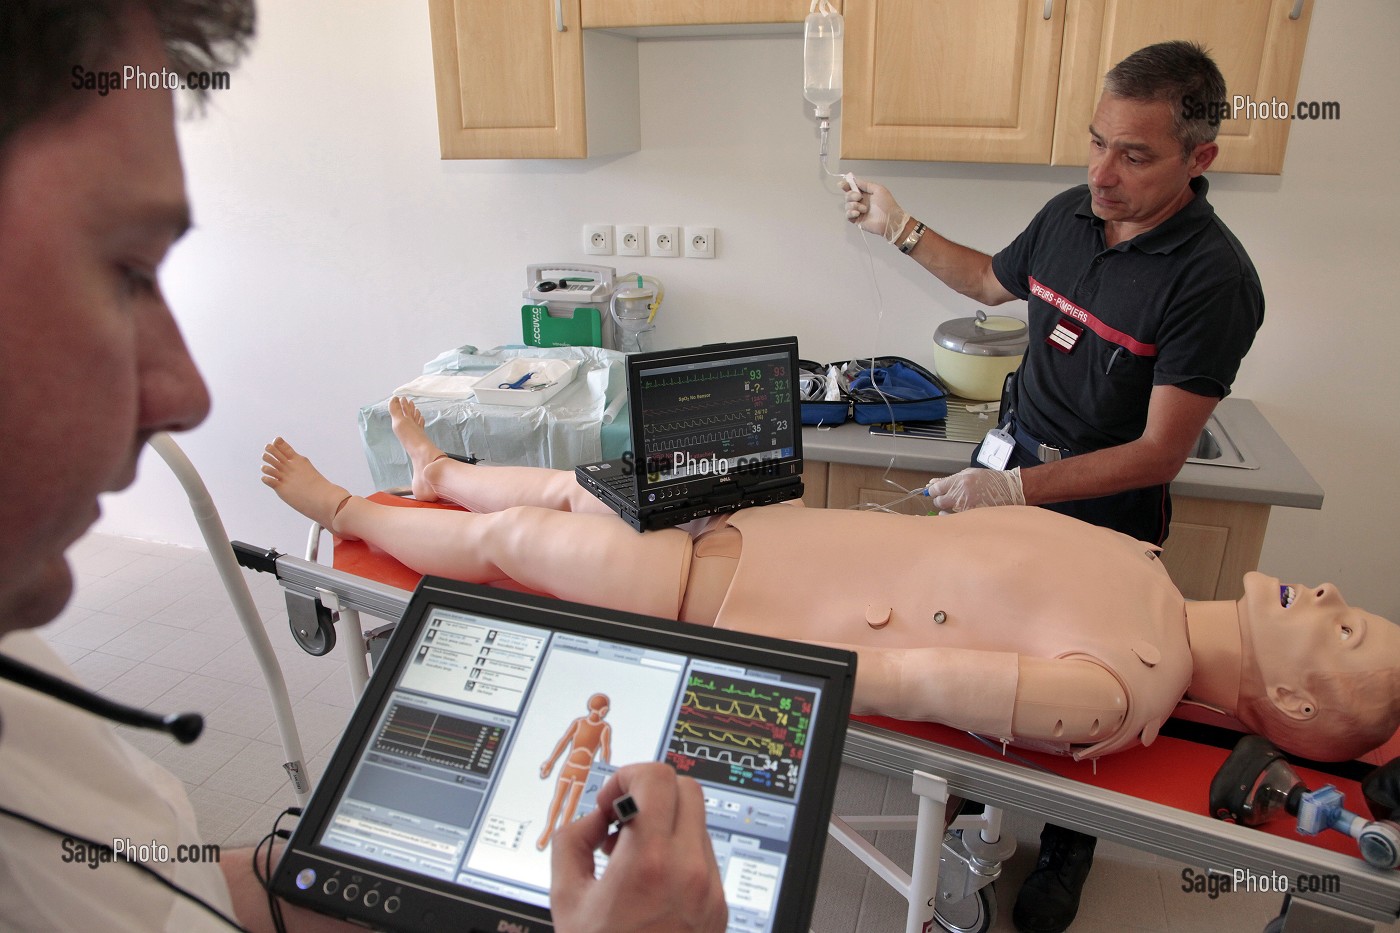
561	790
588	558
571	805
436	476
489	488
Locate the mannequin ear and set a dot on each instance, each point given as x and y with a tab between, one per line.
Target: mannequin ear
1296	704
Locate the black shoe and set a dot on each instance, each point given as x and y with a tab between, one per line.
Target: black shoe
1049	898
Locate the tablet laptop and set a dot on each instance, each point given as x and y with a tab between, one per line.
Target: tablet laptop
494	717
715	429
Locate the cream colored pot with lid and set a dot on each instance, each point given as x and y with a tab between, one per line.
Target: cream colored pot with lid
972	355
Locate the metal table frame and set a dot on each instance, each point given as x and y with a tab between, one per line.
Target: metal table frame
1366	894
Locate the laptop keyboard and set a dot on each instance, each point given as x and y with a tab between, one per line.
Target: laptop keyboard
623	485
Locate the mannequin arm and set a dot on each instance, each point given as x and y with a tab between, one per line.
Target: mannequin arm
564	740
1064	700
993	692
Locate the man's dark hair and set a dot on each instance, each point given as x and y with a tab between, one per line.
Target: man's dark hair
1184	76
42	41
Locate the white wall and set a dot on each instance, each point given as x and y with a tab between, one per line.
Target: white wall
335	254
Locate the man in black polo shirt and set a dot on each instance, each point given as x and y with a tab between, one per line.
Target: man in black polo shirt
1140	304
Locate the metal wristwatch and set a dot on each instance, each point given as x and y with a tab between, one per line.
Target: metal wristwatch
912	240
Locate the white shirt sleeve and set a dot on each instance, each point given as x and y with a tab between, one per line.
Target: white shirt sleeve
71	770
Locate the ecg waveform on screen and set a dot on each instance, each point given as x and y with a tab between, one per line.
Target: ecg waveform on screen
726	411
435	738
746	733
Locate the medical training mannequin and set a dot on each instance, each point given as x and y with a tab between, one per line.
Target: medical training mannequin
1014	622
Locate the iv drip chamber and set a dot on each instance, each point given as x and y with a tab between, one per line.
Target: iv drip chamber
821	57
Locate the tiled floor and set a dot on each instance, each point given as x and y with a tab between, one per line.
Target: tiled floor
150	625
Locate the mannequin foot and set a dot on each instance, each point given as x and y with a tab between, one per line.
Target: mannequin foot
407	422
301	485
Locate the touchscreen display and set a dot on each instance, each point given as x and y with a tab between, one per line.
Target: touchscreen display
496	733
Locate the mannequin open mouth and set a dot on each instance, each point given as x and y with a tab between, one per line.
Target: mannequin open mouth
1287	594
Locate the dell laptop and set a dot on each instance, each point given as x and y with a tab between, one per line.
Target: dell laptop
714	429
493	719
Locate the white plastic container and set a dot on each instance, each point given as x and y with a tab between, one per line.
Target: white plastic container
554	375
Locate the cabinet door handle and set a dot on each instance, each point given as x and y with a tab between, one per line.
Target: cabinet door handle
1297	9
1050	7
559	15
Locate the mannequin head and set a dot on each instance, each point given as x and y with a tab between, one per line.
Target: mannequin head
1319	678
598	705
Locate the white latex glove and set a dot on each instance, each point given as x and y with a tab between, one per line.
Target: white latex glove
975	487
873	208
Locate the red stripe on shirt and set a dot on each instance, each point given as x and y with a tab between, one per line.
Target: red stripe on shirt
1070	309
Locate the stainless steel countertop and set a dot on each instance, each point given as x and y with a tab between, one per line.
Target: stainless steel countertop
1280	480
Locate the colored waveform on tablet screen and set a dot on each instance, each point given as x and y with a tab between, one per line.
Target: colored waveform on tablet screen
741	732
435	738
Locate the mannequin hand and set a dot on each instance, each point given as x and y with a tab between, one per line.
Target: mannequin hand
661	872
873	208
975	487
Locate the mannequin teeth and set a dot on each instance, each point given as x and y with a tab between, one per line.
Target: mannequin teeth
1286	595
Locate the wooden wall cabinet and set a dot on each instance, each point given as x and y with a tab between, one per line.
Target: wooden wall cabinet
510	82
950	80
550	79
623	14
1258	45
1212	543
1017	80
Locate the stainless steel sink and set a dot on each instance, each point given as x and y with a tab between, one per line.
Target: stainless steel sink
1215	447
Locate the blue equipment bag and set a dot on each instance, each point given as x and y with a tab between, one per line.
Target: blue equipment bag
877	390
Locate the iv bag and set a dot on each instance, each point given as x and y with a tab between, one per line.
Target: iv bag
821	57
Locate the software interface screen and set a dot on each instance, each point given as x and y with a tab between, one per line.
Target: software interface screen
713	418
497	733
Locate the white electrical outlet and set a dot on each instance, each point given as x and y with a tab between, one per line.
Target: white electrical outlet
631	240
664	241
699	242
598	239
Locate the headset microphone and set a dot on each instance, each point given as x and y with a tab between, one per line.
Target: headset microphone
185	727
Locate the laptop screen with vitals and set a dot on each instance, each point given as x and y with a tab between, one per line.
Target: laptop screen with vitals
494	717
716	411
714	429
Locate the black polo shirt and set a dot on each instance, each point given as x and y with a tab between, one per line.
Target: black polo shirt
1177	305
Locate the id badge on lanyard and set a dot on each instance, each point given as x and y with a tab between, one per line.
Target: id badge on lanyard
995	452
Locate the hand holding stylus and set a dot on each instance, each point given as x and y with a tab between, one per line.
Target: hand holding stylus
661	872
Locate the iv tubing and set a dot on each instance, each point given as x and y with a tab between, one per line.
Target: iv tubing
825	124
826	138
